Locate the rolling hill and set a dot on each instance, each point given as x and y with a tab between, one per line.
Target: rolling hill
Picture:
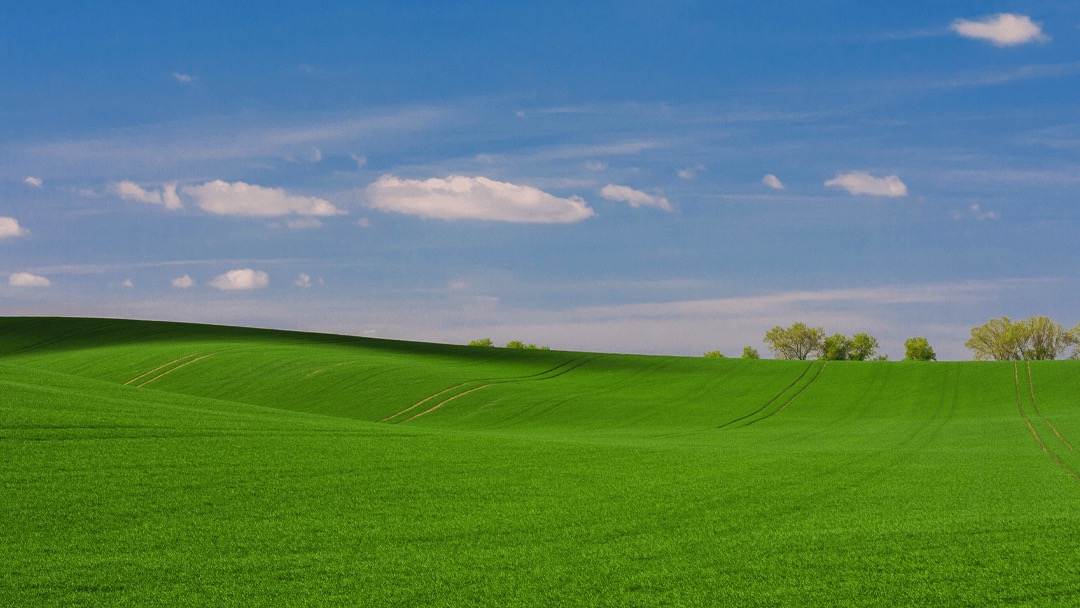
164	463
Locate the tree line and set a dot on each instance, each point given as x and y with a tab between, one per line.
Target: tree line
1002	339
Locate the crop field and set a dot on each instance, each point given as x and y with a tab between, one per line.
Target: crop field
148	463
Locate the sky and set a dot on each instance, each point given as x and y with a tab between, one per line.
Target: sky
650	177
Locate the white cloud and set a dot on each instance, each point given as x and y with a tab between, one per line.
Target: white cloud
183	282
183	78
25	279
127	283
474	198
244	278
238	198
976	212
166	197
1002	29
595	165
9	227
635	198
773	182
359	159
863	183
302	281
363	222
36	182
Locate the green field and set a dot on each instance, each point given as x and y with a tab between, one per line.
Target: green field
153	463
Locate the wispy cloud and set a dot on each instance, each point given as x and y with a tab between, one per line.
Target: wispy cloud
473	198
10	228
1002	29
239	198
241	279
183	78
32	181
635	198
860	183
977	213
302	281
166	197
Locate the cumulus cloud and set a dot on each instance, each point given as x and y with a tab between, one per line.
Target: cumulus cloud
166	197
634	198
127	283
243	278
36	182
183	282
9	227
773	182
1002	29
977	213
183	78
238	198
474	198
25	279
302	281
863	183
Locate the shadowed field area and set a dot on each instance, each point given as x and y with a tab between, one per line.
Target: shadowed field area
182	464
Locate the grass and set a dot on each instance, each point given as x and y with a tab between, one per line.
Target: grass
261	475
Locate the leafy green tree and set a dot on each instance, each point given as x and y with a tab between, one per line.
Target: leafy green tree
836	347
482	342
918	349
795	342
1034	338
997	340
515	344
749	352
1045	339
863	347
714	354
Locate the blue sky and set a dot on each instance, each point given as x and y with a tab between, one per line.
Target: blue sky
659	177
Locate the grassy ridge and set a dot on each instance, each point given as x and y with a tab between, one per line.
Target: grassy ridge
261	475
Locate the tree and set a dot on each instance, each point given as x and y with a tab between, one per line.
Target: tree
515	344
1045	339
795	342
1033	339
749	352
482	342
997	340
714	354
863	347
918	349
836	347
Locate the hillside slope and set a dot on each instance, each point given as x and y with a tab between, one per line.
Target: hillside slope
169	463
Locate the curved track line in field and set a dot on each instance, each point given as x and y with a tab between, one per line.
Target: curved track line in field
445	401
159	376
1034	433
422	402
793	397
544	375
1035	406
145	374
770	401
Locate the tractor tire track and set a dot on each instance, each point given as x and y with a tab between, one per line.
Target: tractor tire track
1035	406
793	397
145	374
183	365
1034	433
554	372
770	401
